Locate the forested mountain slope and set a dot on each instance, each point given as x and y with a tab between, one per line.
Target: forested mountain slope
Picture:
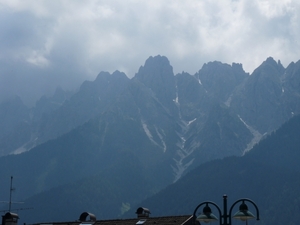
269	175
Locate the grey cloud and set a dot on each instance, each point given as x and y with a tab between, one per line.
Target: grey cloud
50	43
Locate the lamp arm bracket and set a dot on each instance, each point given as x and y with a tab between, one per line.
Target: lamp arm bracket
207	203
244	200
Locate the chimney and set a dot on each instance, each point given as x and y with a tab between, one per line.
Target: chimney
10	219
142	212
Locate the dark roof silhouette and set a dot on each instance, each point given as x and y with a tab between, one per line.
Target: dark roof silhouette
167	220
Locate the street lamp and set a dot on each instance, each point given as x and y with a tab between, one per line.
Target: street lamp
225	219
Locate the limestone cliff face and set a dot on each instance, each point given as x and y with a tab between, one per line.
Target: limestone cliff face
220	79
157	74
262	101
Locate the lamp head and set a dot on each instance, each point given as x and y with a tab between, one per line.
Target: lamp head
243	213
207	216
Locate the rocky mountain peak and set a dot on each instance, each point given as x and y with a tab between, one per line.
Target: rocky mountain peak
291	77
119	75
272	66
238	68
102	77
156	69
220	79
157	75
107	77
105	81
259	101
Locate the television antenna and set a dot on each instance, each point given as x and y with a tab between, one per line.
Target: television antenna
10	202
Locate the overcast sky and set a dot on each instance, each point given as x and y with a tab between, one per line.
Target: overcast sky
48	42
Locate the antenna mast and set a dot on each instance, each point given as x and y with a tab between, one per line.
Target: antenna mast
10	193
11	189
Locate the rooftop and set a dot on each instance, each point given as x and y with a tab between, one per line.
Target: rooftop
167	220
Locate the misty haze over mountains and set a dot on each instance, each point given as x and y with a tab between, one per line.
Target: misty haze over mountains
156	126
261	101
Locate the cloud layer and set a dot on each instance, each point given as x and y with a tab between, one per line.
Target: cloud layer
69	41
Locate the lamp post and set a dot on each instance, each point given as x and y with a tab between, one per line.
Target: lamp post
225	219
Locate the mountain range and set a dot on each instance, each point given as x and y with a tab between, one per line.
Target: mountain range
117	141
